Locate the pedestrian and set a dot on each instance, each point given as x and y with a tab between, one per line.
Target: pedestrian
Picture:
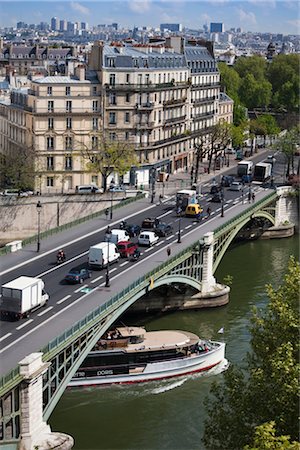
208	212
179	210
249	196
106	213
253	197
160	198
169	251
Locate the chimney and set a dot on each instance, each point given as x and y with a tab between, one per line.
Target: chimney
80	72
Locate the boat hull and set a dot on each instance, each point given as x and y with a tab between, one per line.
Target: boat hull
159	370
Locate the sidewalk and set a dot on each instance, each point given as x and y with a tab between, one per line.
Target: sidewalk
68	236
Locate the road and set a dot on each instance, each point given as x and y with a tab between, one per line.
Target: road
70	303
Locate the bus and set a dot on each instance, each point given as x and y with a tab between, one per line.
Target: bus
185	197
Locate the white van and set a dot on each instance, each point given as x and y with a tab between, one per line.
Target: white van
103	253
88	189
147	238
117	236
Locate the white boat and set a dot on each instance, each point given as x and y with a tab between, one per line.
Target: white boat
134	355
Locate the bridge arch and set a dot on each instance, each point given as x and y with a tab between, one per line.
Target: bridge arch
229	237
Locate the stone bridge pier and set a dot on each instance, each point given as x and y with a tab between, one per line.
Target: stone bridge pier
34	432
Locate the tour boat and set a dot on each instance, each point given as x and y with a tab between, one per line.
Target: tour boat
134	355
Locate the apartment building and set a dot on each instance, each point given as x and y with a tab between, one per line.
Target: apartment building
225	113
58	117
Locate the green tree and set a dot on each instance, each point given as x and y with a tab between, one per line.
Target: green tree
265	439
106	156
253	93
238	135
287	144
269	388
17	168
240	113
255	65
230	81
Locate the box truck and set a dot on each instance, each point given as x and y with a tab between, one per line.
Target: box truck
21	296
116	236
262	171
103	253
245	169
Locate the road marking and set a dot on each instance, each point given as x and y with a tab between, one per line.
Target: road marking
113	270
188	226
24	263
5	336
229	201
63	264
148	249
124	263
24	324
165	214
45	311
159	243
81	287
63	299
170	237
217	210
96	279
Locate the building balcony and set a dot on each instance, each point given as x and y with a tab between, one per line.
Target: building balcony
144	125
144	106
205	86
173	120
61	111
198	101
174	102
204	115
148	87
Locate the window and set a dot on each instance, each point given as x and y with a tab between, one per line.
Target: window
112	136
50	143
95	179
112	98
126	135
95	105
112	79
127	117
95	123
127	98
94	90
50	163
68	162
49	90
112	118
127	78
69	142
50	106
68	90
69	123
68	106
50	181
50	123
94	141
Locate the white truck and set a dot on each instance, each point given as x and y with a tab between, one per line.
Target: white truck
102	254
116	236
262	171
21	296
245	168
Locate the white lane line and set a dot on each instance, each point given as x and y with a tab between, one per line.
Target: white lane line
96	279
124	263
24	324
81	287
63	264
217	210
63	299
229	201
170	237
112	270
66	244
165	214
45	311
188	226
236	201
5	336
159	243
148	249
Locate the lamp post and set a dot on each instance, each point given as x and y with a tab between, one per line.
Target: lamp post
179	230
272	171
222	203
107	280
111	205
39	210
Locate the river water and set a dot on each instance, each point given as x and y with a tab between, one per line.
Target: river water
170	414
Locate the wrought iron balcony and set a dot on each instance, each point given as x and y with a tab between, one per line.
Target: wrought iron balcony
172	120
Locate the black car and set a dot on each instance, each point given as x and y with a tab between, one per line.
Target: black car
227	180
77	275
150	223
132	229
217	197
215	188
163	229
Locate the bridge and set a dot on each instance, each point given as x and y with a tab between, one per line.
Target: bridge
35	381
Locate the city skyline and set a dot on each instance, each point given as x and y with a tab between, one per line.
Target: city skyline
252	15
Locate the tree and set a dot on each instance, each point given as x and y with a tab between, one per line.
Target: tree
230	81
255	65
265	439
287	144
238	135
253	93
17	168
269	388
107	156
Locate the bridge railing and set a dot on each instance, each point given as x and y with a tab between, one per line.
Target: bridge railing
255	206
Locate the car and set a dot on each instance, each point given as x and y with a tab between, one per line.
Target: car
77	275
193	210
227	180
132	229
147	238
150	223
126	248
235	186
116	189
163	229
217	197
215	188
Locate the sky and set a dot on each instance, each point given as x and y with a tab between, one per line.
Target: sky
252	15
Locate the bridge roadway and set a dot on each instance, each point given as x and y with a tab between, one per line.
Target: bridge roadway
70	303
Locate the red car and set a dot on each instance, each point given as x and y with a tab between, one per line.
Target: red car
126	248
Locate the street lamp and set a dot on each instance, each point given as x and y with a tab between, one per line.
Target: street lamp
111	205
179	230
222	203
39	210
107	280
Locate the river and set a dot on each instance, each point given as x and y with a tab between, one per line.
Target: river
169	415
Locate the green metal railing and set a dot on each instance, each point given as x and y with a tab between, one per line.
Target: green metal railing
47	233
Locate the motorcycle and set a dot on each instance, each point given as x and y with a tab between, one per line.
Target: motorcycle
60	259
135	256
